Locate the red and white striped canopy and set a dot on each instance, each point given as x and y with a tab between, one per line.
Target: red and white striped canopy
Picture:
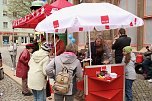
31	20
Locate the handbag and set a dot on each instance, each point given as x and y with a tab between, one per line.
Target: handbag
48	89
1	73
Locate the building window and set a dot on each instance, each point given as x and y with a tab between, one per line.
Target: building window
147	9
4	1
14	14
5	24
4	13
5	40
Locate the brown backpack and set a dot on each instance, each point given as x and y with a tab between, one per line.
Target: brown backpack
62	81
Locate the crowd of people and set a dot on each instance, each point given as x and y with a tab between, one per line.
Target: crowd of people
35	65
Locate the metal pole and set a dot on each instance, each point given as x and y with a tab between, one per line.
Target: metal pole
47	38
13	50
14	57
54	44
89	48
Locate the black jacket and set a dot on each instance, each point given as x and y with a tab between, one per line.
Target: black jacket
119	44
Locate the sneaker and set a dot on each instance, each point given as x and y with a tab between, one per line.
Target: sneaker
150	80
27	94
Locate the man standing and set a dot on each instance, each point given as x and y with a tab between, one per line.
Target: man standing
119	44
60	47
13	52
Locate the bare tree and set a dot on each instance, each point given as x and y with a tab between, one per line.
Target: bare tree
19	8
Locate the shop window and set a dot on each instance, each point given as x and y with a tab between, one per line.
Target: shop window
22	39
4	13
4	1
5	40
5	24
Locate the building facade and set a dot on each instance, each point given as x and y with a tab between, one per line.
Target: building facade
141	36
7	34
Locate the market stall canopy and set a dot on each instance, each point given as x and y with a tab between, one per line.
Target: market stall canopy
31	20
87	17
61	4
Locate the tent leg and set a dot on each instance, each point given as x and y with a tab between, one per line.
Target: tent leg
47	38
89	47
54	44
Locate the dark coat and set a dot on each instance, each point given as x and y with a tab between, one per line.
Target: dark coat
22	66
98	58
119	44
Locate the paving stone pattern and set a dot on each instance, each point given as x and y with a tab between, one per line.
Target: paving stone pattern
12	91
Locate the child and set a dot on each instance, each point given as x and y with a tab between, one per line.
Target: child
130	74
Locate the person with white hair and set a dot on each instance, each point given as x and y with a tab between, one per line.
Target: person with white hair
13	52
69	60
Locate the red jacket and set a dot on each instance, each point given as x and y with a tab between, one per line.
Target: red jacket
22	66
60	48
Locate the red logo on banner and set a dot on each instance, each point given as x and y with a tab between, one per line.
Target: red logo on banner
81	29
107	27
103	68
55	23
131	24
56	30
104	19
135	21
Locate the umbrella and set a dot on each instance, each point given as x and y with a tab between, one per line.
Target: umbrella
87	17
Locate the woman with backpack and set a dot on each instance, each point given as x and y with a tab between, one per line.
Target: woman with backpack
65	68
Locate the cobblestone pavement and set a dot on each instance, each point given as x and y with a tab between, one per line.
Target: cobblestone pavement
12	91
142	90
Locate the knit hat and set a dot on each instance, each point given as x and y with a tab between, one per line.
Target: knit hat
46	47
127	49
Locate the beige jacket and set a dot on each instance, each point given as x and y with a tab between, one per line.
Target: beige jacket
36	73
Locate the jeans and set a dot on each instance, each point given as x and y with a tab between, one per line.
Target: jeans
39	95
58	97
128	90
13	58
